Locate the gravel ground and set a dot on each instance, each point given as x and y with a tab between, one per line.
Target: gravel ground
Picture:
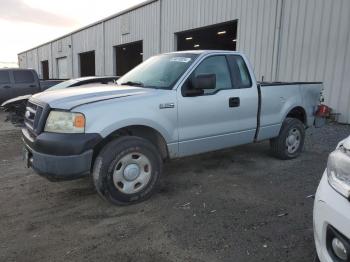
234	205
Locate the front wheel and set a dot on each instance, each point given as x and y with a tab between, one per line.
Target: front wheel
290	141
127	170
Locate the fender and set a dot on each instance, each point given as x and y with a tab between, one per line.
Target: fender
169	138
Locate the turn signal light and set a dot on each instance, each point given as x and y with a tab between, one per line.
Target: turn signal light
79	121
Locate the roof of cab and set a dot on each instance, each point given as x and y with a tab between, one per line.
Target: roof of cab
199	52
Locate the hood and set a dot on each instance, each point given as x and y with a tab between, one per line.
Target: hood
15	100
72	97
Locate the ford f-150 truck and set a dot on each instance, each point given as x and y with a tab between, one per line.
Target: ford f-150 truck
172	105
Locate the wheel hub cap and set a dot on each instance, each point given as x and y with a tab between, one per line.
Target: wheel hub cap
131	172
293	141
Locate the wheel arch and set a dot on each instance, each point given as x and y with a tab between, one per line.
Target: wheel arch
297	112
143	131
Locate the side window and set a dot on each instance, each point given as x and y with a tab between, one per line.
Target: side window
239	71
23	77
4	77
215	65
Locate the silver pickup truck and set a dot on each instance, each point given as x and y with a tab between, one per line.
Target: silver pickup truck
172	105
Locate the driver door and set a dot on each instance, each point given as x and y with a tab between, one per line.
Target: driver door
215	119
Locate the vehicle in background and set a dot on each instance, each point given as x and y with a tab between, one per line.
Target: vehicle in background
332	208
16	106
16	82
86	81
170	106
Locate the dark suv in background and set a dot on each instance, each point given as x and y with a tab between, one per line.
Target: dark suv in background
18	82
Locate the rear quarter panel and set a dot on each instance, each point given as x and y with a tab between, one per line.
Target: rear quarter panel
311	94
276	102
279	100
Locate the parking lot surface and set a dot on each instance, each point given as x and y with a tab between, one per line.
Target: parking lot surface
239	204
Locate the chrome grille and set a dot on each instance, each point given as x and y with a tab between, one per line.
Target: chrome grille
32	116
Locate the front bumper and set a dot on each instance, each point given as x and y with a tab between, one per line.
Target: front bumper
330	210
60	156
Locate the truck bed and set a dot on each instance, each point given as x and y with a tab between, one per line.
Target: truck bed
277	98
288	83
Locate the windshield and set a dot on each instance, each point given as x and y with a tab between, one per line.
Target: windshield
161	72
62	85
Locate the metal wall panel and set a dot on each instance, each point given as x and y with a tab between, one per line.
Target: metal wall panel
256	25
32	60
59	49
315	46
139	24
44	53
89	39
22	60
62	68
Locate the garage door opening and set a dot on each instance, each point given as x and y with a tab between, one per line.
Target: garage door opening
217	37
127	57
87	64
45	70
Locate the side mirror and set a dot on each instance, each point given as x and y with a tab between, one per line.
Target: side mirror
204	81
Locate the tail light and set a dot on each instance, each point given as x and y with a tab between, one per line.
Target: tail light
323	111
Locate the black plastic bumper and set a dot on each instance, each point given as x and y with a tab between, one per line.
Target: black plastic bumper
60	156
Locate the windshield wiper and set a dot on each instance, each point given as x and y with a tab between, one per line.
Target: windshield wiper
132	83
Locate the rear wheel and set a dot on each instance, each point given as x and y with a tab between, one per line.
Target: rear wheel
290	141
127	170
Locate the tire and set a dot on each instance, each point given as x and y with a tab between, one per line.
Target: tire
127	170
290	141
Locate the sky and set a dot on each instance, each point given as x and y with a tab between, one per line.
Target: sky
27	23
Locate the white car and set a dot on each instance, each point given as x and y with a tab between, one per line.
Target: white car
332	208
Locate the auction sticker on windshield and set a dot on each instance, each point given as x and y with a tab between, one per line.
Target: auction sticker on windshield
180	59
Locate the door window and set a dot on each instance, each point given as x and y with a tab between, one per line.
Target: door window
215	65
239	71
4	77
23	77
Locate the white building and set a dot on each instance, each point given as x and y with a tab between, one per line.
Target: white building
285	40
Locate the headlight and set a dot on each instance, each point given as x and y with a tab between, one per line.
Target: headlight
338	171
65	122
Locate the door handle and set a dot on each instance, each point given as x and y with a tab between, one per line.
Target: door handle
6	86
234	102
32	86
